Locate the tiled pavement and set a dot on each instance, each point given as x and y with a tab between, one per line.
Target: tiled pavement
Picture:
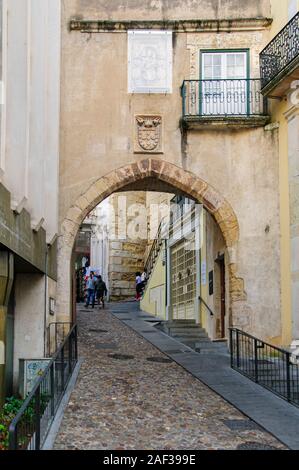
124	401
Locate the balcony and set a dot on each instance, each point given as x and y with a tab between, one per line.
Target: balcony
230	103
280	61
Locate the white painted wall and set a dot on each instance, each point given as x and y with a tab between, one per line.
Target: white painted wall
100	244
29	161
29	319
292	8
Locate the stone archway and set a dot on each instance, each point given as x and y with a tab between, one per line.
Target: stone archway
166	172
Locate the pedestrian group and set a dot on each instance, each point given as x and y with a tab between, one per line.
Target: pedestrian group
95	290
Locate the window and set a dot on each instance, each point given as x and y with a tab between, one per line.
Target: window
224	83
225	65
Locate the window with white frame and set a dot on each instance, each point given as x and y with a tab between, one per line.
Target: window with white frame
224	65
224	86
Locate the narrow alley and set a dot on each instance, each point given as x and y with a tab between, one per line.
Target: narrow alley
123	400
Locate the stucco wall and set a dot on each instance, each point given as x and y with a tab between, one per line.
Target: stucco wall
168	9
98	136
281	12
30	112
249	179
284	119
154	301
97	113
29	319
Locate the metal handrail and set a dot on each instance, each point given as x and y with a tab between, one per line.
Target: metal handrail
67	354
221	80
272	367
58	337
155	248
206	305
154	252
261	341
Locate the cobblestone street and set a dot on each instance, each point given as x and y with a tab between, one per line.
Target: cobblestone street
128	402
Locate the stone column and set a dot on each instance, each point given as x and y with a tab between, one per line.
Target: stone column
126	249
293	151
6	281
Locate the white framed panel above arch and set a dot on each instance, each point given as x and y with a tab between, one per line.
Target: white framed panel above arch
150	60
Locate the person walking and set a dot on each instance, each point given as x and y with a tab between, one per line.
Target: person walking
101	290
139	286
90	287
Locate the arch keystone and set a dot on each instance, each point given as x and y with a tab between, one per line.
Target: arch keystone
156	167
144	167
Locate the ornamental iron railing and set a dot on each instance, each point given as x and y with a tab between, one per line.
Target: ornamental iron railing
279	55
223	98
30	427
274	368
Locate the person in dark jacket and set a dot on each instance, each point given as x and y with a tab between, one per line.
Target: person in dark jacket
90	290
101	290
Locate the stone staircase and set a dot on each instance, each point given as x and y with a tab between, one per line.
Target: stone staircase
193	335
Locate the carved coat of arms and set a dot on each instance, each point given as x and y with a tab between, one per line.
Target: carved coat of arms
148	130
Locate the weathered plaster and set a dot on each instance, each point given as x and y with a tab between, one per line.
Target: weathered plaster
223	168
187	182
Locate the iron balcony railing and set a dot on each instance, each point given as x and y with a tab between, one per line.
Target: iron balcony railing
223	98
274	368
279	55
29	429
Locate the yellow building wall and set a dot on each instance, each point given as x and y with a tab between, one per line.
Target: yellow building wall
280	15
278	110
157	283
279	10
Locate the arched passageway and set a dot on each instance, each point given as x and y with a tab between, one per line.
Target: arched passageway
148	174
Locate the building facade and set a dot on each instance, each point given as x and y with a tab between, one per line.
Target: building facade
29	171
193	99
187	275
279	72
185	119
280	75
116	239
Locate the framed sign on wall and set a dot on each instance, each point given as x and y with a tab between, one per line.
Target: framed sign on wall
150	61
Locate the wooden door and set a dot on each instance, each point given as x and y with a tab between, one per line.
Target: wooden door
222	296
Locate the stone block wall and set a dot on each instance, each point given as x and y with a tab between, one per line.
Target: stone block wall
126	254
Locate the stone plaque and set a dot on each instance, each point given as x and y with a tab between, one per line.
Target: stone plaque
149	61
148	134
